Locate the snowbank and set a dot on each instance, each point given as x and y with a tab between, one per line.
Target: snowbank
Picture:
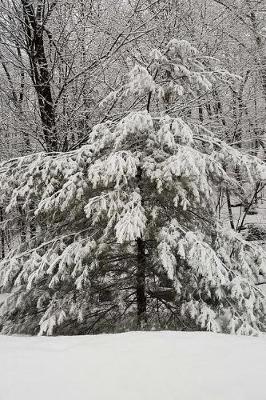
133	366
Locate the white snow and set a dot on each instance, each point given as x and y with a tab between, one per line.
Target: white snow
133	366
3	297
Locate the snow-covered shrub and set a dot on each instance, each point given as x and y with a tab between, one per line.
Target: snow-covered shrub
132	214
256	232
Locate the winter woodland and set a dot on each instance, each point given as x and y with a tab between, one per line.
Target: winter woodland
132	166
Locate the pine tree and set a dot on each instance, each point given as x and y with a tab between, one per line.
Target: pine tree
125	228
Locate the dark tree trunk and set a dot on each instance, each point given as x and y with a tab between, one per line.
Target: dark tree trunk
141	270
201	118
141	284
34	33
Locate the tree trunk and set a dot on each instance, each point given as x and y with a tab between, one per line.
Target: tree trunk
141	284
261	58
141	271
34	31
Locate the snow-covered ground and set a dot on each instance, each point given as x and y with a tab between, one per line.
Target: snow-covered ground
133	366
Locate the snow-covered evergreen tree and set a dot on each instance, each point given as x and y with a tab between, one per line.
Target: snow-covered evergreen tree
123	233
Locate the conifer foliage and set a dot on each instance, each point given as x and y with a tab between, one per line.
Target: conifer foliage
122	233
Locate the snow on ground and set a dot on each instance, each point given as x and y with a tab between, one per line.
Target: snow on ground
133	366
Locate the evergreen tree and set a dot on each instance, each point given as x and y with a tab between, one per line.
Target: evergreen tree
122	233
